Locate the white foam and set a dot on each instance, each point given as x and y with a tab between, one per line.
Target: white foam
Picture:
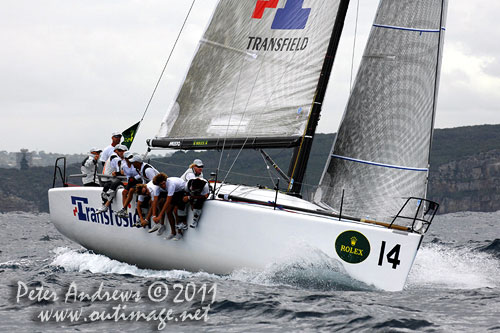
20	263
305	268
314	270
441	266
75	261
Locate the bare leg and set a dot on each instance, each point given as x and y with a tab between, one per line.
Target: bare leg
171	219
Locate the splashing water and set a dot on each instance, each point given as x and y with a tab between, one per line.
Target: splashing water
455	268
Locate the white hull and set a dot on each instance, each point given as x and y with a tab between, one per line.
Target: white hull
234	235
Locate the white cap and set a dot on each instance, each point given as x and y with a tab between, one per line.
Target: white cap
128	154
121	147
198	162
116	134
95	150
135	158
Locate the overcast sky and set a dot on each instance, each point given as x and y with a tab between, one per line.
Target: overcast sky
73	71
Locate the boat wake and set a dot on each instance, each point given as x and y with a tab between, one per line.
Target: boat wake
436	265
85	261
441	265
312	269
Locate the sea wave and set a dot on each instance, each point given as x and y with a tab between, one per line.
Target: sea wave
441	265
493	248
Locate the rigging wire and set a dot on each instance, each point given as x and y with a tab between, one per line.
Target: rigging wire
165	66
235	159
268	171
354	45
229	124
243	114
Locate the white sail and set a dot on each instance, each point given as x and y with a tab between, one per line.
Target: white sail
381	153
255	72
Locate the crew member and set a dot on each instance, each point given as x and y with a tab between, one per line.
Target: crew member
195	170
89	168
175	193
112	169
115	140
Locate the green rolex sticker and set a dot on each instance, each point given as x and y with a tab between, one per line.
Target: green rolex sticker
352	246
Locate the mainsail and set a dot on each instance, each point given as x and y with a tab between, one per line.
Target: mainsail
381	153
253	79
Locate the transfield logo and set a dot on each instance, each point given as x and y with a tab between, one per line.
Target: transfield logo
83	212
290	17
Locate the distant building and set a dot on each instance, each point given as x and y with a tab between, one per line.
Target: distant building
24	159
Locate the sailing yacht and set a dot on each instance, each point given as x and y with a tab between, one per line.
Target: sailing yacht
257	81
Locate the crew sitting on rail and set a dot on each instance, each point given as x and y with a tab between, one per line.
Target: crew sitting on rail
133	178
150	195
197	191
175	193
145	170
112	169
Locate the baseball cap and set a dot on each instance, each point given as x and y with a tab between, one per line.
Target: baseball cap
95	150
136	158
198	163
121	147
128	154
116	134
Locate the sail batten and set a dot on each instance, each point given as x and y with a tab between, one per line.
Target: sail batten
401	167
381	152
253	75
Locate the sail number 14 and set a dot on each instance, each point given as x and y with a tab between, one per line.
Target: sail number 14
392	256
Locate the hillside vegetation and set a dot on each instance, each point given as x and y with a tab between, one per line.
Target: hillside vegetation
454	151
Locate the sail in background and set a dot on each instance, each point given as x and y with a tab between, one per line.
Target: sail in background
255	71
380	156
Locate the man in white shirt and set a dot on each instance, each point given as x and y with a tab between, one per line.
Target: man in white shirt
89	168
175	194
112	168
150	195
106	153
145	170
133	178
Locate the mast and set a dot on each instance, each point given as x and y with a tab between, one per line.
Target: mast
298	163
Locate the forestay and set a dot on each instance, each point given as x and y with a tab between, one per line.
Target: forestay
254	74
381	153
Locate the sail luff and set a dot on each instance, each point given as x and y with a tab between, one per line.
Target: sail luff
442	24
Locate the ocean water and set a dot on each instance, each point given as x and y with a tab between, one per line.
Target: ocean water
47	280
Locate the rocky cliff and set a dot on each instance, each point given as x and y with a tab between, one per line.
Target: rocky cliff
471	183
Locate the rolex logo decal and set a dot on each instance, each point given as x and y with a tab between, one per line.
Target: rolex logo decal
352	246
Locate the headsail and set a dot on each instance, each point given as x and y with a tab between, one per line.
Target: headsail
381	153
253	77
